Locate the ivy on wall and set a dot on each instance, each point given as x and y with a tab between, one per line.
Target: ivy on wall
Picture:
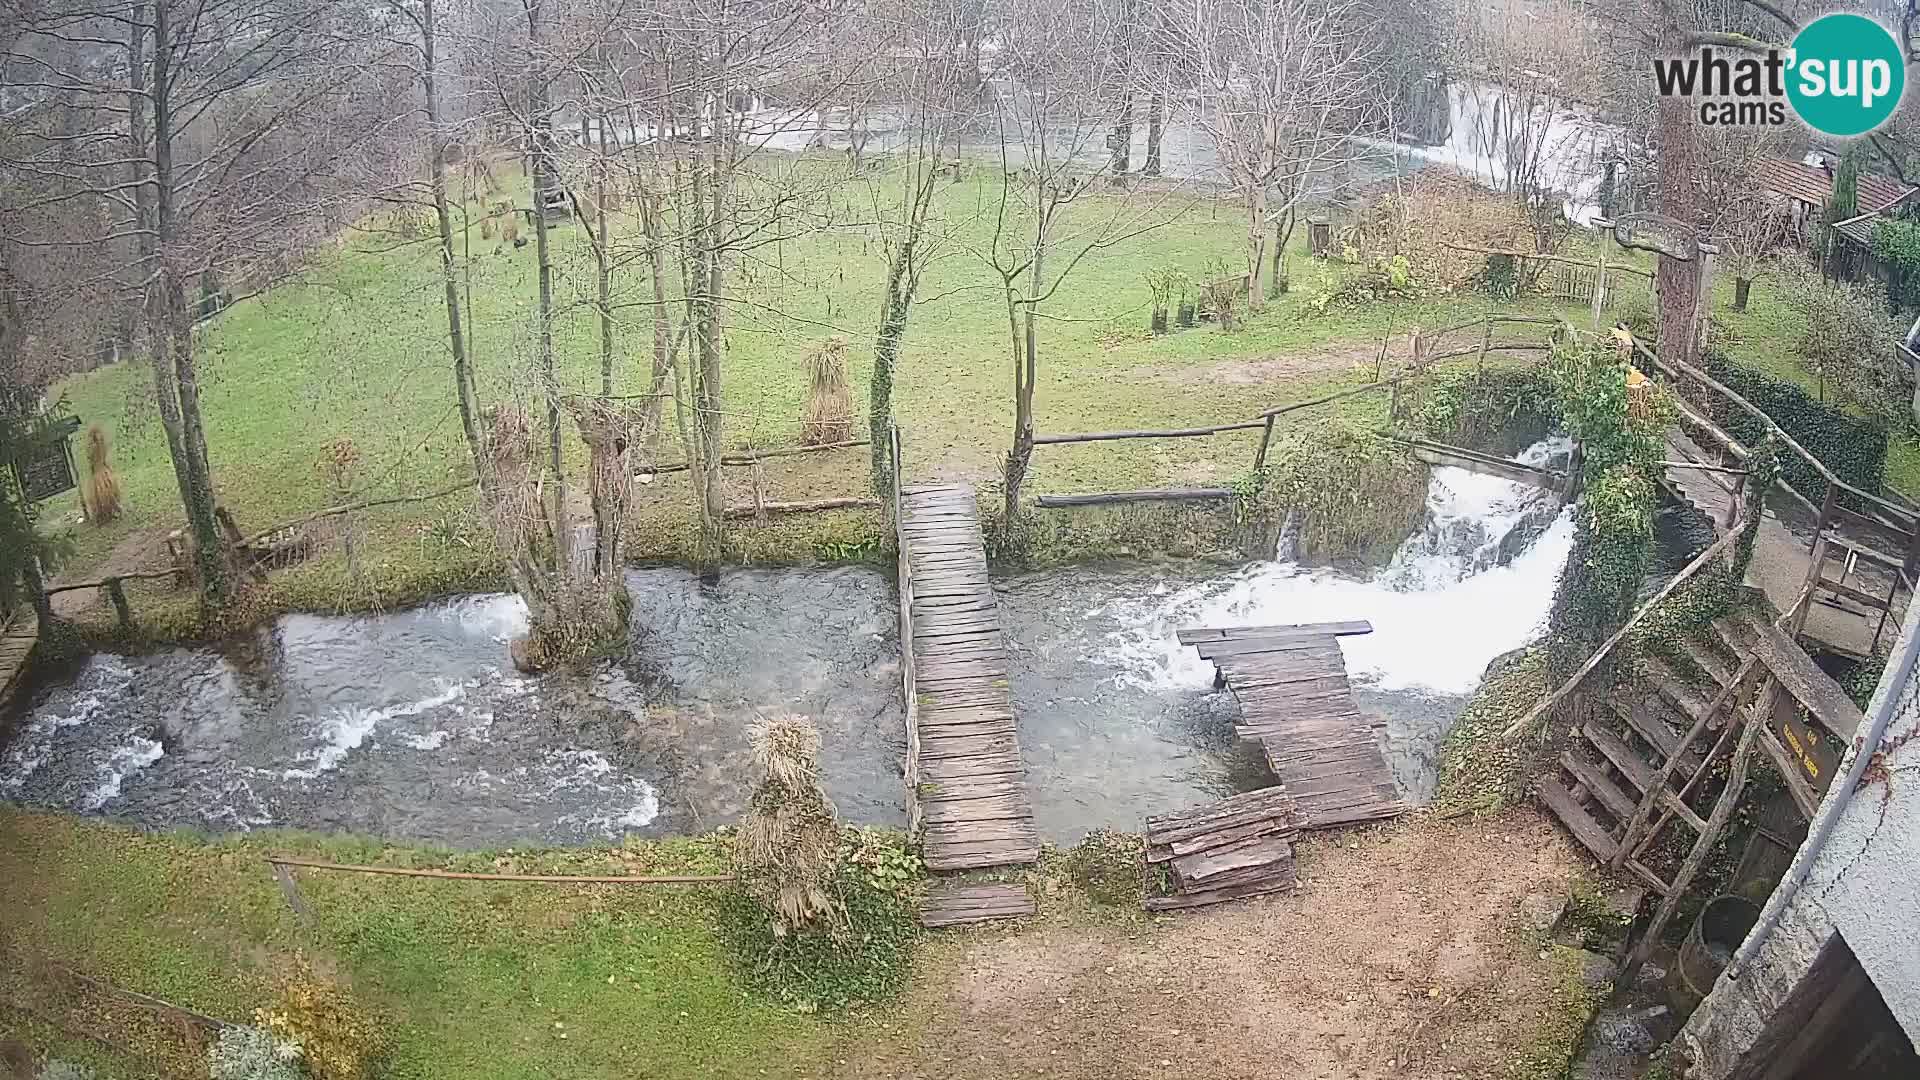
1621	435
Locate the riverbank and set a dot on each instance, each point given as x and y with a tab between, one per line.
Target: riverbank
1405	949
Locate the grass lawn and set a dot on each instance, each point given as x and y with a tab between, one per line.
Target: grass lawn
357	348
472	979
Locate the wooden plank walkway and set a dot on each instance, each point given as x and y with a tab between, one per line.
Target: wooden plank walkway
1291	683
16	650
965	773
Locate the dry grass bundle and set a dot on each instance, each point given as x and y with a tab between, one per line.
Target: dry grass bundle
788	849
829	416
1431	212
102	493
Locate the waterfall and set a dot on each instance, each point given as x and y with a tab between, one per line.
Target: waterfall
1486	121
1475	581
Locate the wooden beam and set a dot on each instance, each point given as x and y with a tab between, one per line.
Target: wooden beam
1176	433
1193	635
735	513
1685	574
1109	498
1459	458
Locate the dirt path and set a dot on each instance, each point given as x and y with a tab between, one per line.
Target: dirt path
1403	956
141	549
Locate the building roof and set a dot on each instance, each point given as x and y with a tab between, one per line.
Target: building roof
1859	228
1813	185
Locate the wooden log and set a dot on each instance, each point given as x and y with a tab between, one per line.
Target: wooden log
553	879
1175	433
735	513
1195	634
1110	498
1221	859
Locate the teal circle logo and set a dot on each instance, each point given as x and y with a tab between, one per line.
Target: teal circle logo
1846	75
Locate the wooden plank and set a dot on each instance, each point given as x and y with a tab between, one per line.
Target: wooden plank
953	905
1796	672
1629	763
1272	804
1281	882
1581	824
1262	851
1194	634
1596	781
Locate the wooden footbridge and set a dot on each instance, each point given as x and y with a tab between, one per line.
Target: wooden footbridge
966	781
1295	701
17	639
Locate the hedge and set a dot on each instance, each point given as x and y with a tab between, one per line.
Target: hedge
1855	449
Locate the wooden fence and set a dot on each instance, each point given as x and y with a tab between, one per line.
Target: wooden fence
1427	353
908	674
1898	526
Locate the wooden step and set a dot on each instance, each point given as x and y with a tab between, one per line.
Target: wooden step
950	903
1630	764
1678	692
1556	798
1595	780
1734	634
1645	718
1708	661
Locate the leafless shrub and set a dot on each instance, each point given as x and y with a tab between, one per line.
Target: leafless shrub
829	413
103	487
789	841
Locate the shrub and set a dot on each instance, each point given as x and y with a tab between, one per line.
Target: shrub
337	1040
1382	277
1854	448
55	1069
864	956
1848	342
1109	867
248	1053
1355	494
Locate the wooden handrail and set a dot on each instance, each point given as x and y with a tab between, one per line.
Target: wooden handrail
1176	433
1619	635
1550	257
1673	367
144	575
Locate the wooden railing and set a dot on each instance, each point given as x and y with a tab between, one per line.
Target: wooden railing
1882	517
907	673
1426	355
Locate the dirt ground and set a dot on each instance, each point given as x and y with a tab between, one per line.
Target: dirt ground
1402	955
142	549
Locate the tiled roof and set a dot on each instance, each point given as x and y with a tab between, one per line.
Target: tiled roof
1810	184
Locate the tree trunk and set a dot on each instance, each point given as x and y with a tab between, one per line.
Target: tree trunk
602	273
1256	246
1282	236
169	324
542	172
456	336
1677	282
1742	286
1122	139
1025	372
886	357
1156	117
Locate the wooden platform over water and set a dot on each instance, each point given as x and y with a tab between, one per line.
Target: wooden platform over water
1291	683
966	779
17	640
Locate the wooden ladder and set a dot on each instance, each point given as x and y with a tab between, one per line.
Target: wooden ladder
1635	770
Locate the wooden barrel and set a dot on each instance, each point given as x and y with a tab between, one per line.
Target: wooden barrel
1723	924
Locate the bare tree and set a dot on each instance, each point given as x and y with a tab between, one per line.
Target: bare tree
219	142
1281	87
1062	68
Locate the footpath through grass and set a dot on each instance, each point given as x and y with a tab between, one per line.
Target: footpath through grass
357	349
479	980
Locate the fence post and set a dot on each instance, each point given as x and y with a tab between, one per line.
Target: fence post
291	891
1266	440
1600	286
1819	558
122	611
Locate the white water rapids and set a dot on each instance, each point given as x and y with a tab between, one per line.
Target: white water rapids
1476	581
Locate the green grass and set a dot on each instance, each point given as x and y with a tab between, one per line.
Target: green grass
357	348
472	979
1764	337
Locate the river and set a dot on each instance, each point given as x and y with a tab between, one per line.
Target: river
412	725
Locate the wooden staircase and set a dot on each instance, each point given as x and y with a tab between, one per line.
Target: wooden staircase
1649	745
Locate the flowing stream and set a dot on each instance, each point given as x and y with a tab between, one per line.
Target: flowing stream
411	725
